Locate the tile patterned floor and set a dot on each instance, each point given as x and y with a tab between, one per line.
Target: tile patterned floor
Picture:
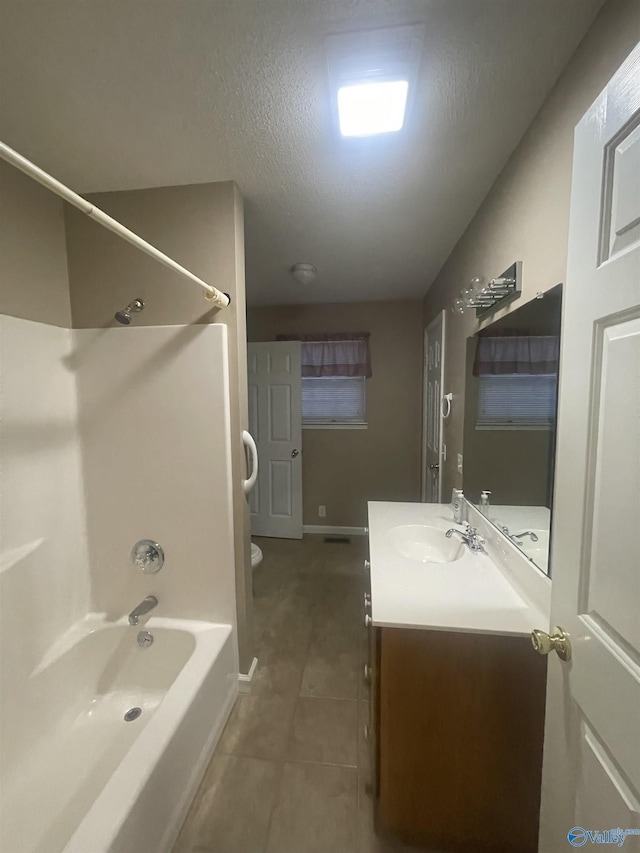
290	772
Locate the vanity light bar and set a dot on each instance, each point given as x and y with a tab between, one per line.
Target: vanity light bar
486	298
501	290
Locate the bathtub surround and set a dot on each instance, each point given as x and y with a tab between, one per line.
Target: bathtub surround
202	227
525	215
44	573
343	468
44	566
154	415
62	703
124	432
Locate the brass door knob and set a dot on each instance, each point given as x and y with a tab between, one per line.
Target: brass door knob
557	642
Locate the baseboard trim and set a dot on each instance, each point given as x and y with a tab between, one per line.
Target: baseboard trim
337	531
245	679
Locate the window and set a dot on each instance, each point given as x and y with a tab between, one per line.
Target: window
333	400
517	401
334	369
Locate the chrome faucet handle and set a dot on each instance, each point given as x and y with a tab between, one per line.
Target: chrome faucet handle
147	556
469	537
530	533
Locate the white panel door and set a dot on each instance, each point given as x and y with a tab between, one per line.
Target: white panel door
275	421
432	410
591	770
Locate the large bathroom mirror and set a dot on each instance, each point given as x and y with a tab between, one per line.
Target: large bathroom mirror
510	422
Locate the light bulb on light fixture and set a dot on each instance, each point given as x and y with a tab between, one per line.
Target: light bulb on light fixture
303	273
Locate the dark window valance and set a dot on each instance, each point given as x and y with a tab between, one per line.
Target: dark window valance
336	354
516	353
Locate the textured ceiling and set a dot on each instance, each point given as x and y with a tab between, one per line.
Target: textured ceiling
122	95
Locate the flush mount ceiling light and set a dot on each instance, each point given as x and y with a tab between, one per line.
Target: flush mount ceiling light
303	273
372	77
369	108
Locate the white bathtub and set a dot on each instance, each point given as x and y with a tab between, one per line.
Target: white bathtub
77	778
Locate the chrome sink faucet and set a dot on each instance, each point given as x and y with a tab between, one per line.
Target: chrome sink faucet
534	536
470	537
145	606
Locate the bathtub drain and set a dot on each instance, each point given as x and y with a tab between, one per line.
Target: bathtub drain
132	714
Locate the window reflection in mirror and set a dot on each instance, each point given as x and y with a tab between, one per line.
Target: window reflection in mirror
510	422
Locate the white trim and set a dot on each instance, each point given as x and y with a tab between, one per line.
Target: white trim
338	531
245	680
338	425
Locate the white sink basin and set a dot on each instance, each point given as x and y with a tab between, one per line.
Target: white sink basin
425	544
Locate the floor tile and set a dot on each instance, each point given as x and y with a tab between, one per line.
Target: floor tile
332	674
324	731
316	811
258	726
233	809
272	783
277	677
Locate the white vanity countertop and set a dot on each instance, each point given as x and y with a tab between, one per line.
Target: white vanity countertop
471	594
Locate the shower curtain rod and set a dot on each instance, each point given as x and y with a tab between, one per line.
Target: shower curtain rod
212	294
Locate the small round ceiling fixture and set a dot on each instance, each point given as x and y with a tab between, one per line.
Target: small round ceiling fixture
303	273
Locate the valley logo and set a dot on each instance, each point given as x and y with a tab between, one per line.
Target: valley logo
578	836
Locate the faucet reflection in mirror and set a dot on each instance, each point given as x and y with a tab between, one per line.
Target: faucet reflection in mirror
510	417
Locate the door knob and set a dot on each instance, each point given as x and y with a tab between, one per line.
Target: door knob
558	642
434	467
294	453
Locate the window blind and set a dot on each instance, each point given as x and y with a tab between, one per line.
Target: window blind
333	399
518	400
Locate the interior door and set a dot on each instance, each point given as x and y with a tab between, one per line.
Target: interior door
432	410
275	421
591	769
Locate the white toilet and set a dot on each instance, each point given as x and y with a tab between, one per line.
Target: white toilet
256	555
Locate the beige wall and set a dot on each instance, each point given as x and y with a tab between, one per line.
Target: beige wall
525	216
343	469
200	226
33	273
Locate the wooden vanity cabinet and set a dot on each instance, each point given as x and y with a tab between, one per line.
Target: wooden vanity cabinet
456	736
